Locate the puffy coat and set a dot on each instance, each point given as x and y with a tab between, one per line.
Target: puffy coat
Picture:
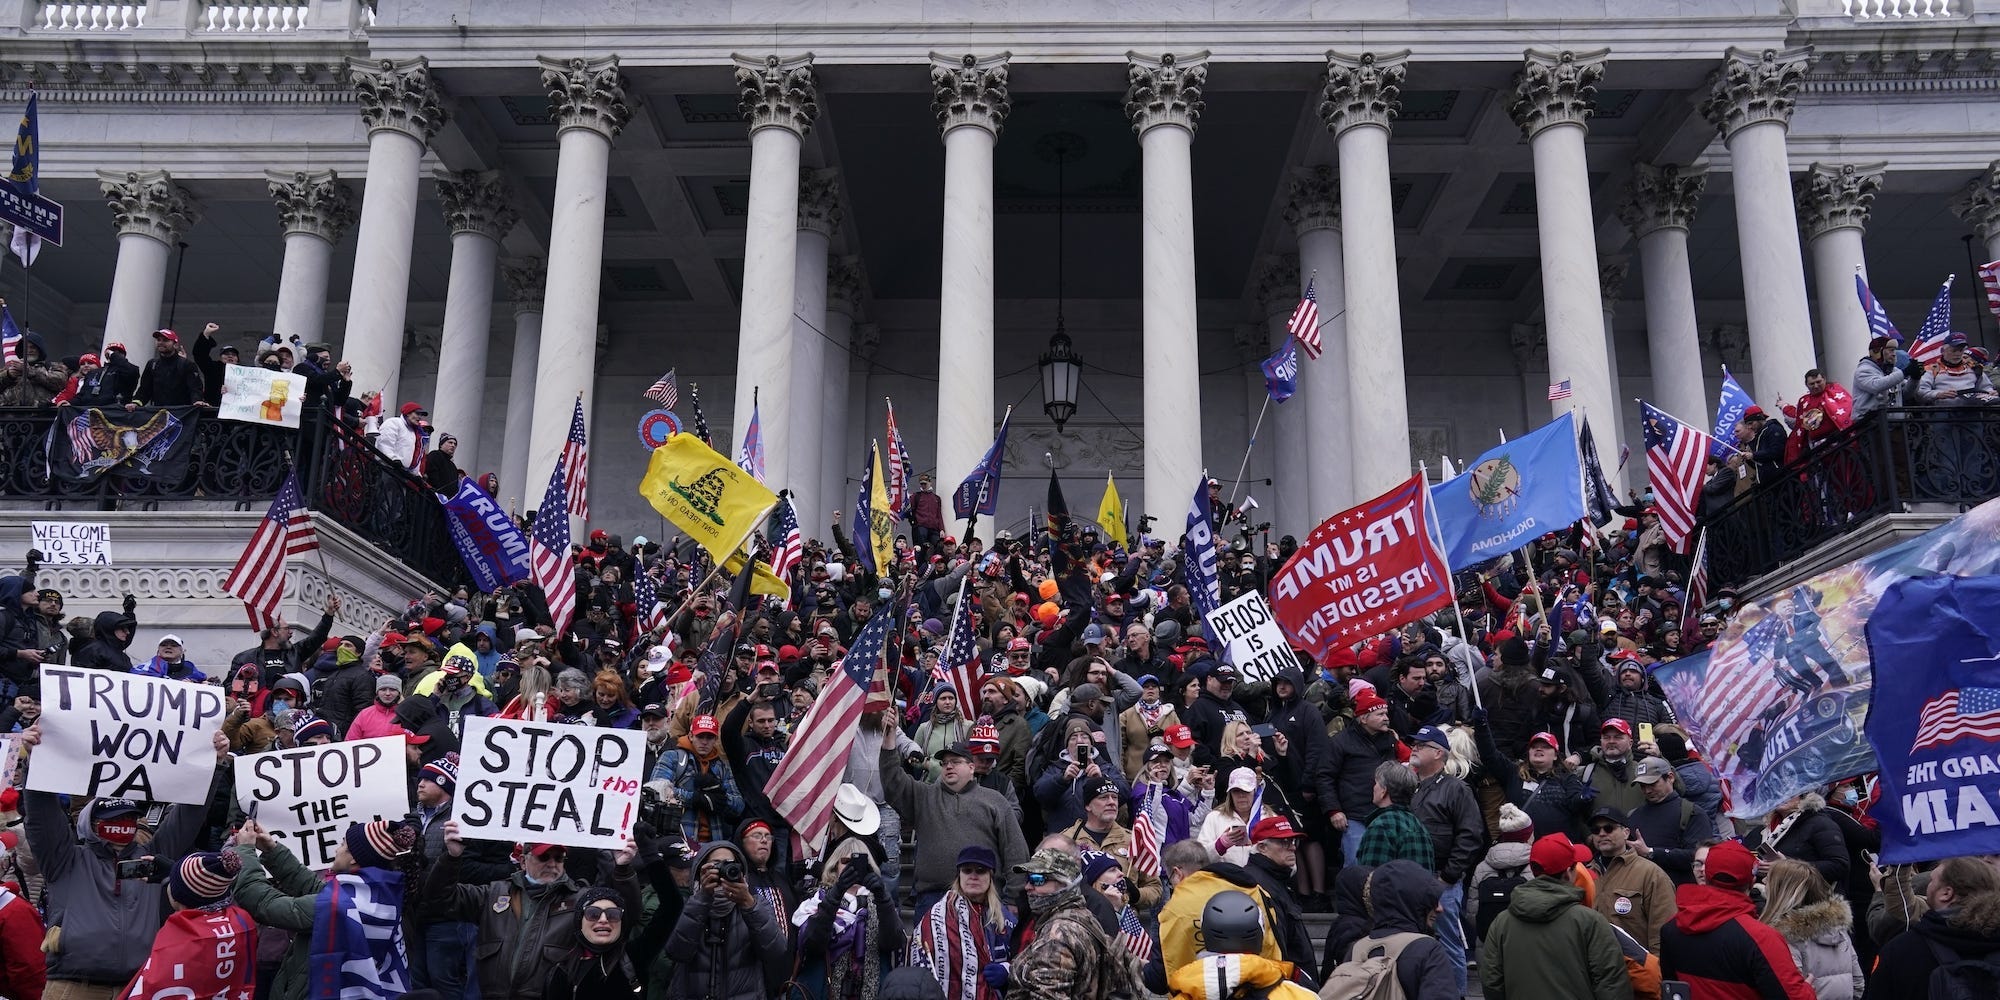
106	651
347	691
1823	947
744	959
18	631
1347	778
524	930
1548	944
1810	836
1716	945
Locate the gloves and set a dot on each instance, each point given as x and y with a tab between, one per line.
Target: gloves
995	975
851	876
1479	716
131	604
872	881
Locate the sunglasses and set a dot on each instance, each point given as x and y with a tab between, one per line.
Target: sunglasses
1602	828
605	913
981	870
1039	878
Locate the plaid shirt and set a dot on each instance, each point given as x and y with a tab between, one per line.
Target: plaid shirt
1395	832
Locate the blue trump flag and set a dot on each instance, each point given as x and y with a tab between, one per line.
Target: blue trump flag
1729	409
1281	371
491	544
1512	493
980	493
1936	730
1199	570
859	532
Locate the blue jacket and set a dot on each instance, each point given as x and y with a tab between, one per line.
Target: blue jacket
720	811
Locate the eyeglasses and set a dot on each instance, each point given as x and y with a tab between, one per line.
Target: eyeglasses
609	914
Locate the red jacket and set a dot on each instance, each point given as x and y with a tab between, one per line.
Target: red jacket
1718	947
22	971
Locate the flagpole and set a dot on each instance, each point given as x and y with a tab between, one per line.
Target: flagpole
1240	469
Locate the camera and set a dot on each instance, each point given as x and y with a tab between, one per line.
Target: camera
141	870
656	812
729	871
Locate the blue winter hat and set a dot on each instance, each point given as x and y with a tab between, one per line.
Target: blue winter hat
977	855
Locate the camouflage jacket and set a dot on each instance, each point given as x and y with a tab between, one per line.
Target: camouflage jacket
1070	958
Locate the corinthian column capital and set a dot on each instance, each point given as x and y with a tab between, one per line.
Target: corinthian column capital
1662	197
149	203
1755	87
1836	196
586	93
527	278
1315	200
970	90
1556	88
312	202
1363	89
1978	203
1164	90
477	202
777	92
819	200
398	95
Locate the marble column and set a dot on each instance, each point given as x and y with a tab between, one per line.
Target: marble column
1314	212
1552	104
1750	103
1163	101
1360	102
1978	206
478	213
588	98
819	220
844	282
1609	430
865	339
315	208
970	103
1659	208
779	104
1833	204
152	213
1278	294
400	105
526	279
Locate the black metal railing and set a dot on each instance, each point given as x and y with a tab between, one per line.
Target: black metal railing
1889	463
340	473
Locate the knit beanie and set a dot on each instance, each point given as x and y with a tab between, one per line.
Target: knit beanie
388	681
1095	864
378	843
1514	652
306	729
1515	826
202	880
442	772
595	895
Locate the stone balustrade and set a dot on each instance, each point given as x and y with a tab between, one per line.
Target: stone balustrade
254	15
205	19
92	17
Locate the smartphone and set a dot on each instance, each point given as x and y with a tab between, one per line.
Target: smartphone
1265	731
1645	732
1767	852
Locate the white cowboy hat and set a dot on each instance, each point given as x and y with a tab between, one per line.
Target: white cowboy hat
856	811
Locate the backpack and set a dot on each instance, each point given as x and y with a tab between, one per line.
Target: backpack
1959	978
1495	891
1370	970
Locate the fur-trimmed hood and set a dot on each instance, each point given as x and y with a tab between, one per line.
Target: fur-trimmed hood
1811	802
1813	921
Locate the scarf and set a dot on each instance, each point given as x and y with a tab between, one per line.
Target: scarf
951	943
855	945
356	951
1150	715
206	953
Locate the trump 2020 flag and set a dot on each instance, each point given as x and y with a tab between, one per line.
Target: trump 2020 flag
494	549
1936	730
980	492
1281	371
1729	407
861	530
1510	494
1199	569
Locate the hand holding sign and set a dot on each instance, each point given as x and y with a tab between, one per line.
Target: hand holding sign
126	736
548	783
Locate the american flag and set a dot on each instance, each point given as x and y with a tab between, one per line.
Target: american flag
1559	390
10	337
1697	593
1304	323
576	460
751	458
259	576
1929	344
1989	279
960	662
700	419
802	787
1958	714
790	547
666	391
548	550
1137	941
1878	317
646	594
899	466
1738	686
1675	453
1145	841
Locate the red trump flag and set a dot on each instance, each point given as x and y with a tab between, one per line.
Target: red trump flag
1364	571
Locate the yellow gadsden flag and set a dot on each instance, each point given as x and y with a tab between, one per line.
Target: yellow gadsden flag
1111	512
762	579
705	494
881	520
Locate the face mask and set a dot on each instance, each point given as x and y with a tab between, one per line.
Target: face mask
882	593
281	704
1043	904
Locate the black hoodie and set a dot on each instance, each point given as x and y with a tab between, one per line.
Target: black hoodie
591	972
1401	897
106	651
1350	916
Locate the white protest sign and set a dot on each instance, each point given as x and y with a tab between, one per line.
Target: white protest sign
73	543
261	396
108	735
1250	637
542	782
307	796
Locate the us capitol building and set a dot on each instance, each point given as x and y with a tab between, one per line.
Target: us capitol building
490	207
